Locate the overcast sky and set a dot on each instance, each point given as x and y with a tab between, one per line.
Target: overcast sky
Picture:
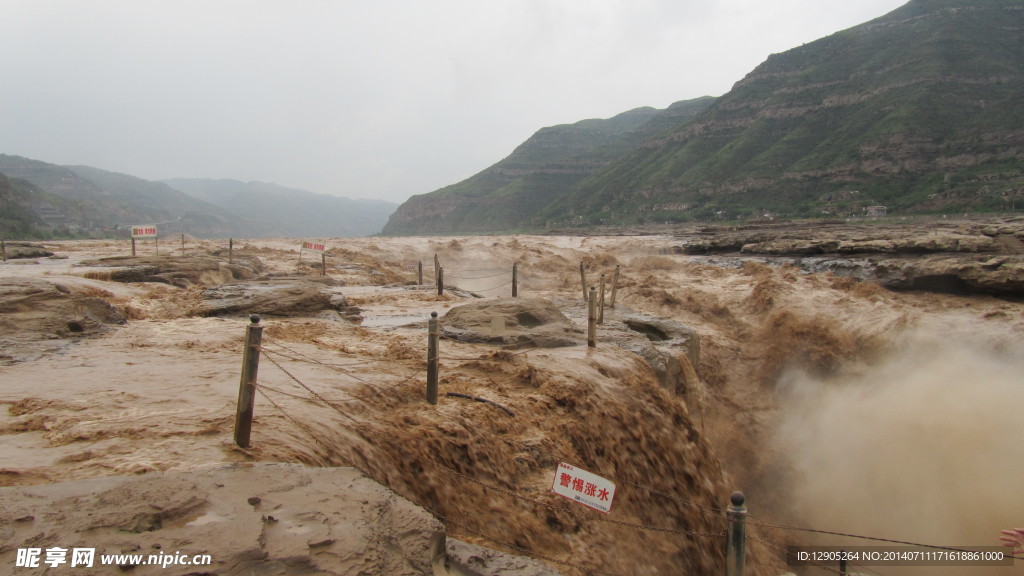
370	99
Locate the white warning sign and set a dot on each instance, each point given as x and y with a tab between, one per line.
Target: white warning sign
582	486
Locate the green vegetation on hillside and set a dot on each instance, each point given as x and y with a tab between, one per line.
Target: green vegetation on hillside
918	111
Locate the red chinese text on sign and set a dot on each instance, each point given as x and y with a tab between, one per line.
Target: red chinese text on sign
583	487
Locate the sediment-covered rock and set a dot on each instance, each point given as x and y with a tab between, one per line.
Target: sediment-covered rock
278	296
180	272
38	316
521	323
16	250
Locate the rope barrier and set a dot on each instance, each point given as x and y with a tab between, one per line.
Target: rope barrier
352	396
287	416
494	288
578	513
861	537
476	270
450	276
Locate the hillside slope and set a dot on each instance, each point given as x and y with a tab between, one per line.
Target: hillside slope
918	111
64	201
551	162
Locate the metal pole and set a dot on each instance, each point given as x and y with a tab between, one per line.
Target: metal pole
583	280
615	285
600	303
735	544
440	281
247	385
433	337
592	318
515	280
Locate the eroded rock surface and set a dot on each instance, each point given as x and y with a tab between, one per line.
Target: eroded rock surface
268	519
38	316
177	271
279	296
529	322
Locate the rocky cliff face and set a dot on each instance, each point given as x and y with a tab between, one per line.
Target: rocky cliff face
916	111
511	193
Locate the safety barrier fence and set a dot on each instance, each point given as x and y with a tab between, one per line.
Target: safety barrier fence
732	520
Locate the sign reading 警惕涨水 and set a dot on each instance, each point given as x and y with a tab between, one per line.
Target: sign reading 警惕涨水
144	231
584	487
312	246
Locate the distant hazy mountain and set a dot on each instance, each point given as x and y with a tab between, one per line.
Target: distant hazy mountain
41	199
921	110
101	202
290	211
546	166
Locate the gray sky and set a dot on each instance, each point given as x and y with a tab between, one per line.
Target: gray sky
369	99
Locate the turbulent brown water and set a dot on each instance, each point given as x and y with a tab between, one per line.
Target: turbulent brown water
833	404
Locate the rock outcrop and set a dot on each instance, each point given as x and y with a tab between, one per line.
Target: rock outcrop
269	519
38	316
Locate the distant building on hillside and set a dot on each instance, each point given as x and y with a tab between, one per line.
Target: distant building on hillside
875	211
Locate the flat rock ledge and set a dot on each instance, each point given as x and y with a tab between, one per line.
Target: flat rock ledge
267	519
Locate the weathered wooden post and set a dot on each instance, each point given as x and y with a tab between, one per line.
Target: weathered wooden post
440	281
615	285
583	279
323	264
433	338
437	267
419	273
735	543
600	303
231	250
133	246
515	280
3	248
156	245
182	244
592	318
247	385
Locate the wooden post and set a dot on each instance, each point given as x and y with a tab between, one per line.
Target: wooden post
583	279
615	285
437	267
419	273
592	318
735	543
440	281
323	264
600	303
133	246
231	250
156	245
842	563
182	244
433	338
515	280
247	385
3	248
